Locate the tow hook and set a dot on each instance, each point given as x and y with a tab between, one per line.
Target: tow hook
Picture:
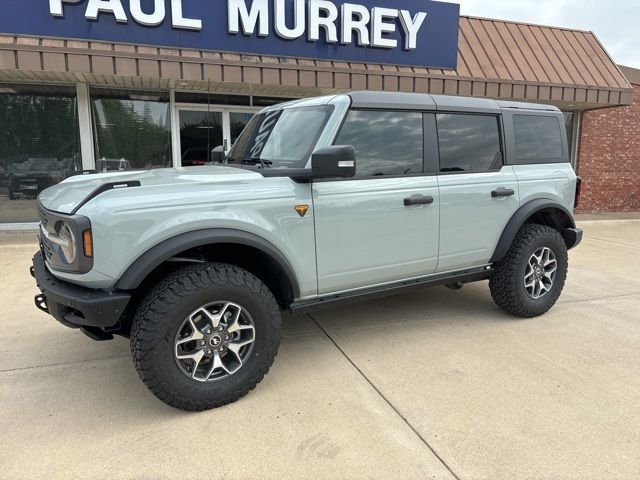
41	303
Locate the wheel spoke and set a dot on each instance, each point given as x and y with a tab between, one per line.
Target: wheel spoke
195	334
238	327
549	272
543	287
195	357
216	364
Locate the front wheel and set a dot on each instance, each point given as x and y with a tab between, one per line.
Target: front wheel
205	336
529	280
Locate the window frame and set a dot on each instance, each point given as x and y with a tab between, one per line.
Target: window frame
425	146
501	139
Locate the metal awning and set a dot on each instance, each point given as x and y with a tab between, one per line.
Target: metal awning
496	59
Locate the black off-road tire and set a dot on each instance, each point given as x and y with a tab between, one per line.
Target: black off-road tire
507	281
170	302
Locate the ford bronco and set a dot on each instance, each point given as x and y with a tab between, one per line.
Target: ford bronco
318	201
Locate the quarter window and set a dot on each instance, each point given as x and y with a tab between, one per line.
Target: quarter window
469	143
386	143
537	138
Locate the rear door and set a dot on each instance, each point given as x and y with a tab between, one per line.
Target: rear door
478	193
381	226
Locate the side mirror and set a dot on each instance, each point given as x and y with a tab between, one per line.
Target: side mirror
338	161
217	154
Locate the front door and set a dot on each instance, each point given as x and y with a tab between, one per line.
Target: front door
478	194
202	129
382	226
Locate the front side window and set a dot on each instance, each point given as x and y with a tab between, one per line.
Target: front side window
280	138
469	143
537	137
386	143
132	130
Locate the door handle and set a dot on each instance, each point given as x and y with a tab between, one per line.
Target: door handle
418	200
503	192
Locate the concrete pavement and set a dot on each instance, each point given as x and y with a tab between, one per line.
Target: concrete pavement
429	384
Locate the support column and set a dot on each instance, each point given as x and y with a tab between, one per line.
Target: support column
86	127
175	130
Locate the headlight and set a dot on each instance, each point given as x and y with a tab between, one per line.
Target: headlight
67	242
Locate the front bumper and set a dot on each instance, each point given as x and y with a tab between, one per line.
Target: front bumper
76	306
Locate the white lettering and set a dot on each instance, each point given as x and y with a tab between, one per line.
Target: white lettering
95	7
259	14
355	18
179	21
411	28
56	6
281	23
380	27
323	14
148	19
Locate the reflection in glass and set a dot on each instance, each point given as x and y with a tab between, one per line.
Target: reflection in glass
131	134
238	122
280	138
39	147
386	143
469	143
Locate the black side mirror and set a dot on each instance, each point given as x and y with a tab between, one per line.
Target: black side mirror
338	161
217	154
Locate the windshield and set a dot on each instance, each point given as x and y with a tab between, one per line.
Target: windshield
280	138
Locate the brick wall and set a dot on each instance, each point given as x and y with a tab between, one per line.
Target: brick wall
609	161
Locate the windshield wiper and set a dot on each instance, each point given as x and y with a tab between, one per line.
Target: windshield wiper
258	160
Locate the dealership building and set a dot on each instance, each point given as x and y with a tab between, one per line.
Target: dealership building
114	85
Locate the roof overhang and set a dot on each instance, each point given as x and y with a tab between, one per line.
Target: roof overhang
496	59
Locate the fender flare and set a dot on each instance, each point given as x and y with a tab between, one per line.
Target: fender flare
520	217
160	253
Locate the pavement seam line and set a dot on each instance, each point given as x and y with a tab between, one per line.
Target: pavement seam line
74	362
386	400
614	242
77	362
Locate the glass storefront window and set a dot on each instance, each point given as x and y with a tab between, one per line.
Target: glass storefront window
132	130
569	123
39	146
200	131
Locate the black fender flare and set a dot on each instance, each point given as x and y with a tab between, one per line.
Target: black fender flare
520	217
160	253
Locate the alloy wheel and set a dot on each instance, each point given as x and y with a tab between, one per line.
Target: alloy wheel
214	341
540	273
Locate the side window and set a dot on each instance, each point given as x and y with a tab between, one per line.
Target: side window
386	143
537	138
469	143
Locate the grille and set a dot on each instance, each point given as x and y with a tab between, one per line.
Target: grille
44	220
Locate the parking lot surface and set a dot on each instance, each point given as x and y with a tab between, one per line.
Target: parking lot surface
431	384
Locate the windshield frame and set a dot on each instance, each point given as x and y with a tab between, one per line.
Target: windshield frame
274	163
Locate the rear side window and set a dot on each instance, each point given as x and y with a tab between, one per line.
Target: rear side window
386	143
469	143
537	138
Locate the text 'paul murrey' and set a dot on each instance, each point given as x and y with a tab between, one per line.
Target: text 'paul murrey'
370	27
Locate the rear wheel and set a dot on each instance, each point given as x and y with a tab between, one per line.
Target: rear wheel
205	336
529	280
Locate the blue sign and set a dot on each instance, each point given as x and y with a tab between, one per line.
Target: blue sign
400	32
